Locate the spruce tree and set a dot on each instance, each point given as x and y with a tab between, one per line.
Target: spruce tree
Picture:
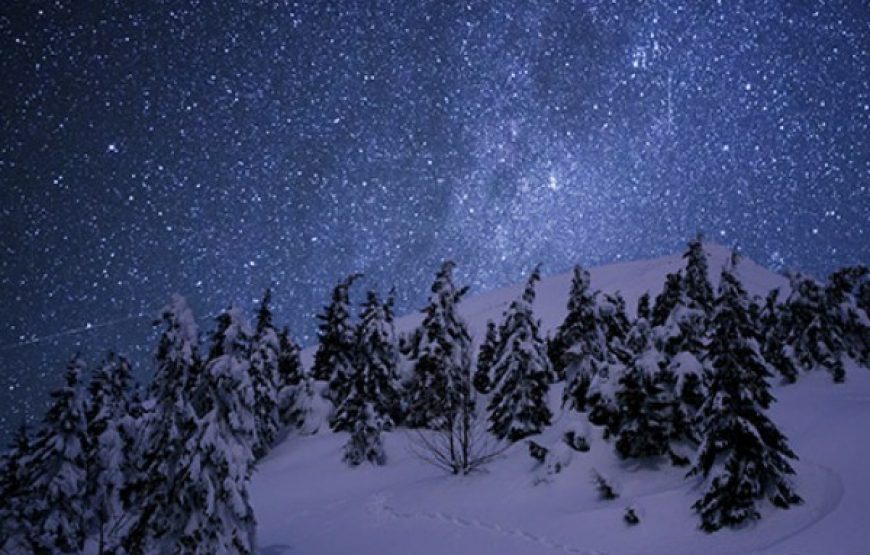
372	383
265	352
521	371
110	456
485	358
601	403
645	414
440	354
851	320
696	281
15	479
668	299
643	307
615	325
289	380
579	348
774	342
56	508
167	426
743	456
212	488
365	443
681	319
809	329
333	360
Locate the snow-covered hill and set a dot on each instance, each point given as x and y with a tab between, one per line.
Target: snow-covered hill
308	501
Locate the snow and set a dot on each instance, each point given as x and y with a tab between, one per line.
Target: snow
308	501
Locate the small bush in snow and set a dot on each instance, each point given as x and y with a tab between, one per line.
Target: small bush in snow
606	491
537	451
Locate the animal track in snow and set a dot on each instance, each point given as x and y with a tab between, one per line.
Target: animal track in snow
378	506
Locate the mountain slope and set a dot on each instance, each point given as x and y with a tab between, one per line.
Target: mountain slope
308	501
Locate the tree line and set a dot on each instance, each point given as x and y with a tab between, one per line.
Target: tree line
166	468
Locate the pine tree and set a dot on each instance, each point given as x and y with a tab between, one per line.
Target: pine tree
372	383
615	324
56	508
365	442
743	456
212	488
645	415
333	360
109	454
809	329
601	403
441	357
521	371
265	352
643	307
696	281
289	380
774	344
668	299
681	319
486	354
579	348
851	320
16	533
170	422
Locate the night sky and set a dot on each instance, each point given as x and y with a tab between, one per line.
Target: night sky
217	149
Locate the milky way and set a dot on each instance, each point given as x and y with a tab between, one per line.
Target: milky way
215	150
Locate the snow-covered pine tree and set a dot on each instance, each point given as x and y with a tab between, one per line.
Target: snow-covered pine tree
372	384
679	335
615	324
212	488
365	443
110	457
809	329
777	352
667	300
265	352
167	425
441	356
289	380
643	307
521	372
696	280
853	322
579	348
333	360
685	326
15	478
645	413
56	508
486	354
601	403
743	456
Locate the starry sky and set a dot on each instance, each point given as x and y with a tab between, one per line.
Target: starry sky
218	148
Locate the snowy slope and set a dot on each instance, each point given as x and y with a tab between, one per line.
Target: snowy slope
308	501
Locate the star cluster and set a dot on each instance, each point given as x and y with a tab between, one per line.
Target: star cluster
219	148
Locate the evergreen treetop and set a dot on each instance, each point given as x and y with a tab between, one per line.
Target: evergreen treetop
335	334
373	379
211	489
56	507
265	353
579	349
440	353
743	455
521	371
696	281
